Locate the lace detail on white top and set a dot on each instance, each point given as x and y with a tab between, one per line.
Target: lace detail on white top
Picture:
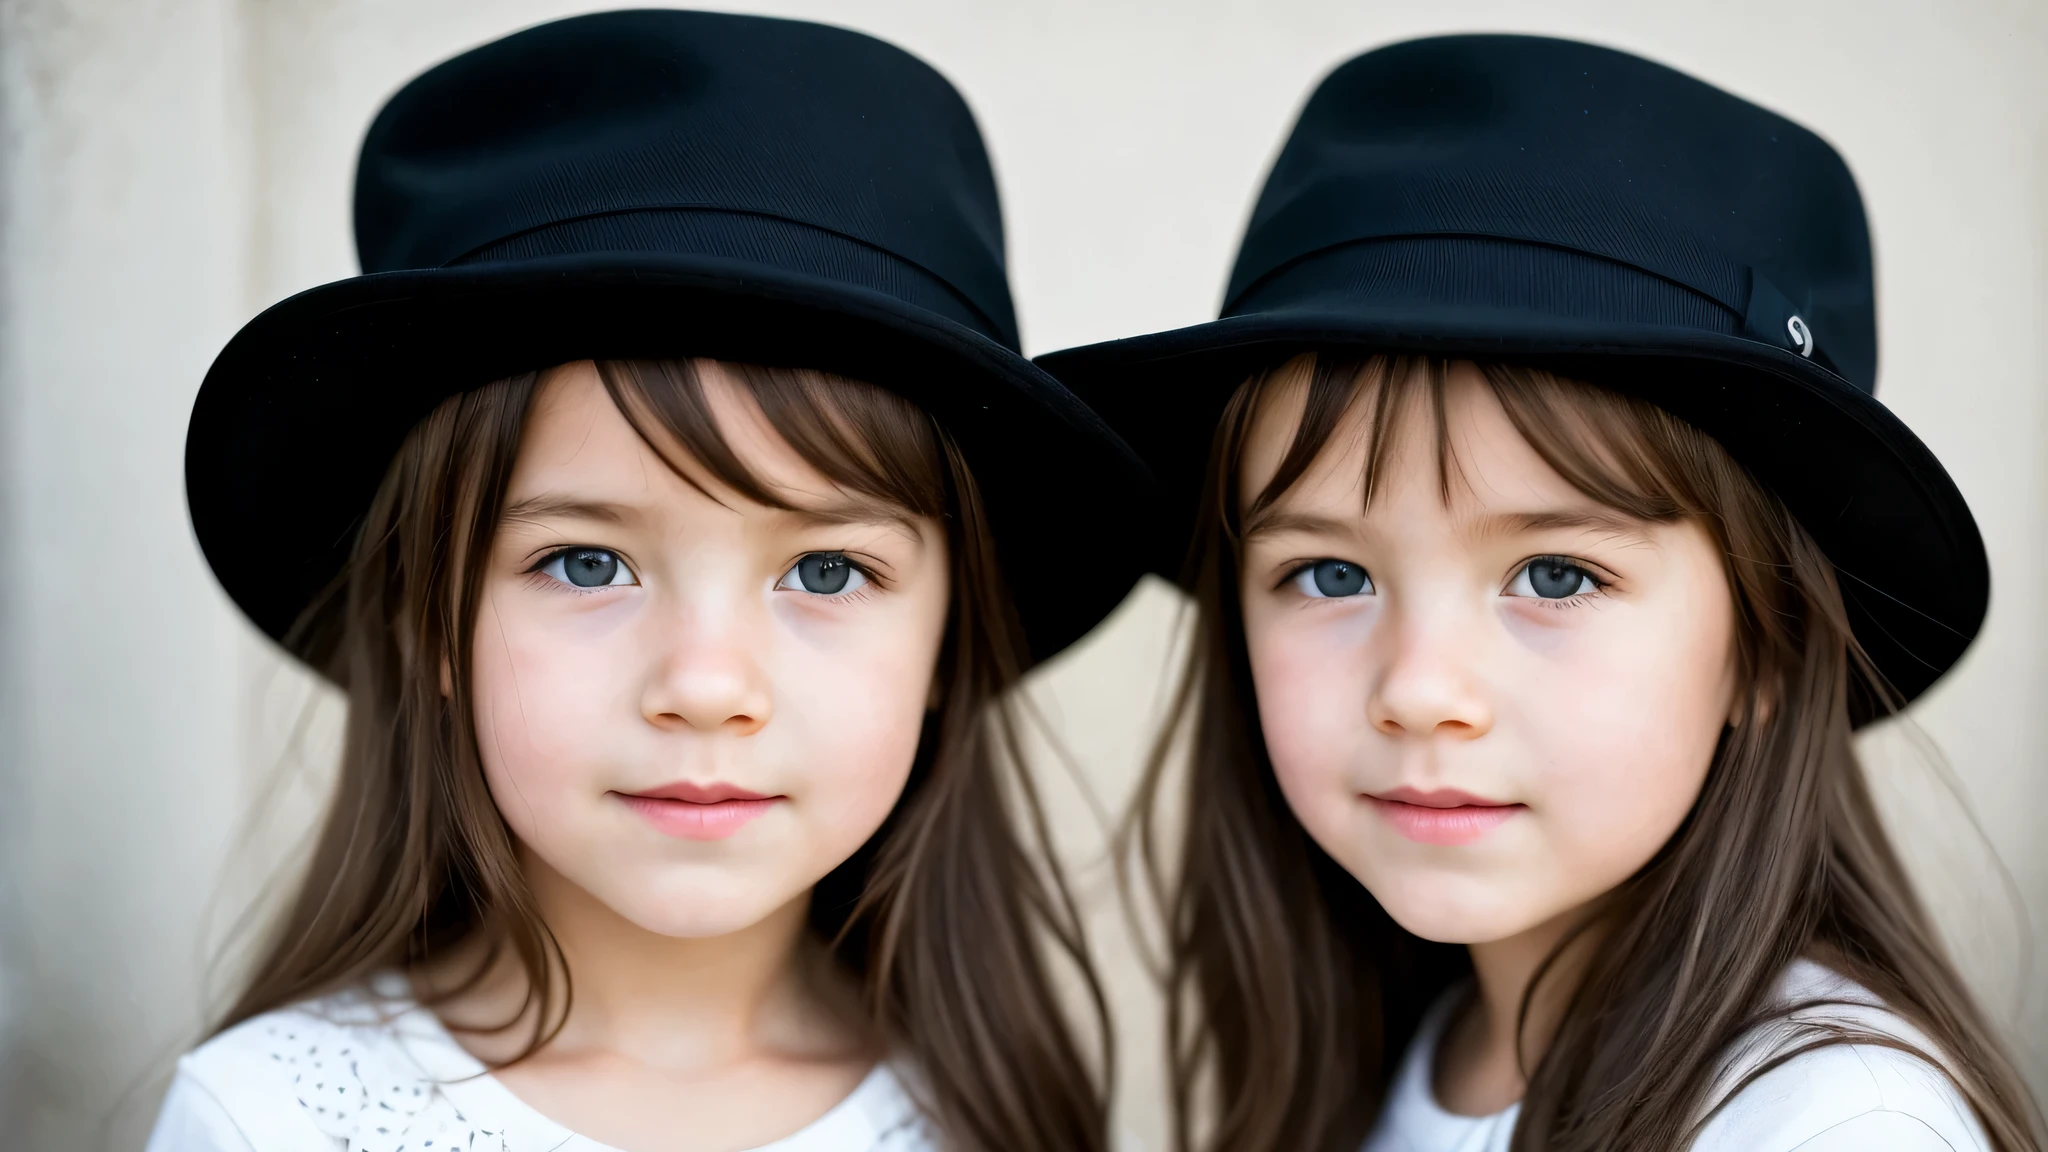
351	1072
369	1071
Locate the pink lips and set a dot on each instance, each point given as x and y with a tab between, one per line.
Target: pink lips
698	811
1445	816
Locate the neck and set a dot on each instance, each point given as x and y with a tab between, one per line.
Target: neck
1483	1054
662	1000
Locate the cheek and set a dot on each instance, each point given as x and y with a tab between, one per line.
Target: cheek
1620	751
538	698
1311	688
1616	782
850	706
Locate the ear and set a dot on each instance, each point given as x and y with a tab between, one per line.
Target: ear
1741	687
1752	705
1760	707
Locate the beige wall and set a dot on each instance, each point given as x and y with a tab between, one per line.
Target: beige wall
168	167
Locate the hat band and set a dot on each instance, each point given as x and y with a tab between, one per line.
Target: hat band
1487	275
772	241
1482	273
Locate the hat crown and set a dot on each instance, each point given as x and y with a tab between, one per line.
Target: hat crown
736	125
1571	146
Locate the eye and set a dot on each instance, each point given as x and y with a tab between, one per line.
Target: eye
1552	578
1332	579
823	574
588	568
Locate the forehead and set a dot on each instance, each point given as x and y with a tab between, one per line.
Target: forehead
1469	460
575	435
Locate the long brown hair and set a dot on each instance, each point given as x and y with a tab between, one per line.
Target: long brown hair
1292	993
939	916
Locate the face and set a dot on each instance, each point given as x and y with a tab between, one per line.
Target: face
694	708
1489	709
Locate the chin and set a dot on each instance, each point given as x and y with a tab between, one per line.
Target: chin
699	923
1454	909
698	911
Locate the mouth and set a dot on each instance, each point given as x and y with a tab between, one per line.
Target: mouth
699	811
1445	816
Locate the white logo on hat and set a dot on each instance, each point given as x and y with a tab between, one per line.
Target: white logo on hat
1802	336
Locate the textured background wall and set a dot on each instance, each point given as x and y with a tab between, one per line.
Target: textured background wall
169	167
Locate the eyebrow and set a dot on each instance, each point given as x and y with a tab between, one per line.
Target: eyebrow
853	510
1516	523
554	505
559	506
1274	521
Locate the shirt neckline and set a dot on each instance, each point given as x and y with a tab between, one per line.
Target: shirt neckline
855	1122
1412	1105
1412	1108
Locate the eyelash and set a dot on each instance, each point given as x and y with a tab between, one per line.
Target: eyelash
1303	567
869	581
535	573
1578	599
1600	583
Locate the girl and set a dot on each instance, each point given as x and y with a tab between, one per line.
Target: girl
671	812
1547	555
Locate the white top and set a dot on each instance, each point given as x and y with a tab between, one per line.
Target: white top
1842	1098
371	1071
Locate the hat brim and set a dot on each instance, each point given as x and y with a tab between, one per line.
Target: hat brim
299	417
1910	561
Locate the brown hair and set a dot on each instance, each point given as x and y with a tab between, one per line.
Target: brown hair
937	916
1292	993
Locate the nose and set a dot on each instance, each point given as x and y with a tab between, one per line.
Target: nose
706	676
1429	687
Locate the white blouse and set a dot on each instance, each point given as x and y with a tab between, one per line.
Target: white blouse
370	1071
1842	1098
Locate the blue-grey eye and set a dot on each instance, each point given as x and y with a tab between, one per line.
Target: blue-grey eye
588	568
823	574
1331	579
1552	578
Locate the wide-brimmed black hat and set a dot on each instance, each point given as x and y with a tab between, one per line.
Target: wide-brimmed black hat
1539	200
646	184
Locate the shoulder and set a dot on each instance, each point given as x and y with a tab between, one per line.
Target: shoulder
341	1072
1858	1093
247	1082
193	1119
1845	1096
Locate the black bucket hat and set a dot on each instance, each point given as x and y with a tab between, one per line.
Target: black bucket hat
644	184
1540	200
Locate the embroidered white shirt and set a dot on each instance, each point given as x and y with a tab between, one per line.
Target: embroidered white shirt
1842	1098
369	1071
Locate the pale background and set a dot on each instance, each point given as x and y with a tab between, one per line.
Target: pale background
173	166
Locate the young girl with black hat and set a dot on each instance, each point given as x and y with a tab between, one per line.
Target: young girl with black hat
1549	547
667	499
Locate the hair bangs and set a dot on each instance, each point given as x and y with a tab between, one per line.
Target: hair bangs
865	440
1611	448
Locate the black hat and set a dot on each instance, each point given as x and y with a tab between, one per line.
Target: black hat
645	184
1514	197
